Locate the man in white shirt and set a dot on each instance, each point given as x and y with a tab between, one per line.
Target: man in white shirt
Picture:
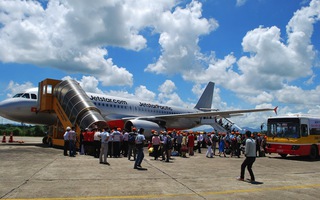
104	135
250	154
116	139
97	143
66	141
72	142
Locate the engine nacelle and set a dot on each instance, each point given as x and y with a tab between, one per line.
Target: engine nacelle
146	125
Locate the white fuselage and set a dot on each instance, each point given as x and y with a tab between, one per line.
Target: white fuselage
112	108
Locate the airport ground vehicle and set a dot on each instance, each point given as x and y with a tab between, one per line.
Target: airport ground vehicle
294	135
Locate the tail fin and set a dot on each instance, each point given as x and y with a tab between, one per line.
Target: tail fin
205	100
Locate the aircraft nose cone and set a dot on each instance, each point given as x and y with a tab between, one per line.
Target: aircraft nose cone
4	108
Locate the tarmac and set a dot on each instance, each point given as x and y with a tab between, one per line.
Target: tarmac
31	170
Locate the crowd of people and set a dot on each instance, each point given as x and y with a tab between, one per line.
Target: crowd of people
104	143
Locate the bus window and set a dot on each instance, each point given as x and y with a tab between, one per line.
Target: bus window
284	129
304	130
315	131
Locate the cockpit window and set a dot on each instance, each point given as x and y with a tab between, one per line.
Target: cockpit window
33	96
22	95
18	95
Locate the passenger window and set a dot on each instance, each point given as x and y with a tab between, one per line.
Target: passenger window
304	130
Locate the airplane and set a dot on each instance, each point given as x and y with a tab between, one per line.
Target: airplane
126	113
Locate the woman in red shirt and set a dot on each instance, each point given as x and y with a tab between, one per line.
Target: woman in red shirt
191	143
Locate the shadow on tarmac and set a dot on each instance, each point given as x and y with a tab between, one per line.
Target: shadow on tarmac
297	158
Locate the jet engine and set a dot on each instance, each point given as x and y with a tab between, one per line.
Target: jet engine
147	125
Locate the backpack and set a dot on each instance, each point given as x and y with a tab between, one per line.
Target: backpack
131	139
209	143
214	138
169	143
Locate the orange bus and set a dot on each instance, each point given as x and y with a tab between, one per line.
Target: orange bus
294	135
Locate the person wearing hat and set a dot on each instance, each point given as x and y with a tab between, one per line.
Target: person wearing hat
155	144
250	154
184	147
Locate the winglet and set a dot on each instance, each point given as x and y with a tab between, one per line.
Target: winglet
205	100
276	110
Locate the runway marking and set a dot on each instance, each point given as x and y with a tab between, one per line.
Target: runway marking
178	195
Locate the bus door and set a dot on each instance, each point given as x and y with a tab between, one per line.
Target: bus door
304	128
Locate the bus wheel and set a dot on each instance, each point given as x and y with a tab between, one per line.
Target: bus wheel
45	140
283	155
313	152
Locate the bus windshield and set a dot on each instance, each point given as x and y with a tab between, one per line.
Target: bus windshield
284	128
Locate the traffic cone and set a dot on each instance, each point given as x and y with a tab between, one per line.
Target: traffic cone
4	138
11	137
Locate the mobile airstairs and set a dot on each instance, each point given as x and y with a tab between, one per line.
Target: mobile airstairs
71	105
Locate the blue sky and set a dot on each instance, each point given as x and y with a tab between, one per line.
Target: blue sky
260	53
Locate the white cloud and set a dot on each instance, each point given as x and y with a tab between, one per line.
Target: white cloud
144	94
269	64
296	95
90	84
167	87
241	2
14	88
179	36
168	95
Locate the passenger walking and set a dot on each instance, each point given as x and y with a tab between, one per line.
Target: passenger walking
179	141
168	147
104	146
72	142
132	144
215	140
140	139
239	142
199	142
222	145
250	154
164	145
191	143
258	144
184	146
209	153
155	144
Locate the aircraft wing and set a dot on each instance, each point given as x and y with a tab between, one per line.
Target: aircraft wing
224	114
